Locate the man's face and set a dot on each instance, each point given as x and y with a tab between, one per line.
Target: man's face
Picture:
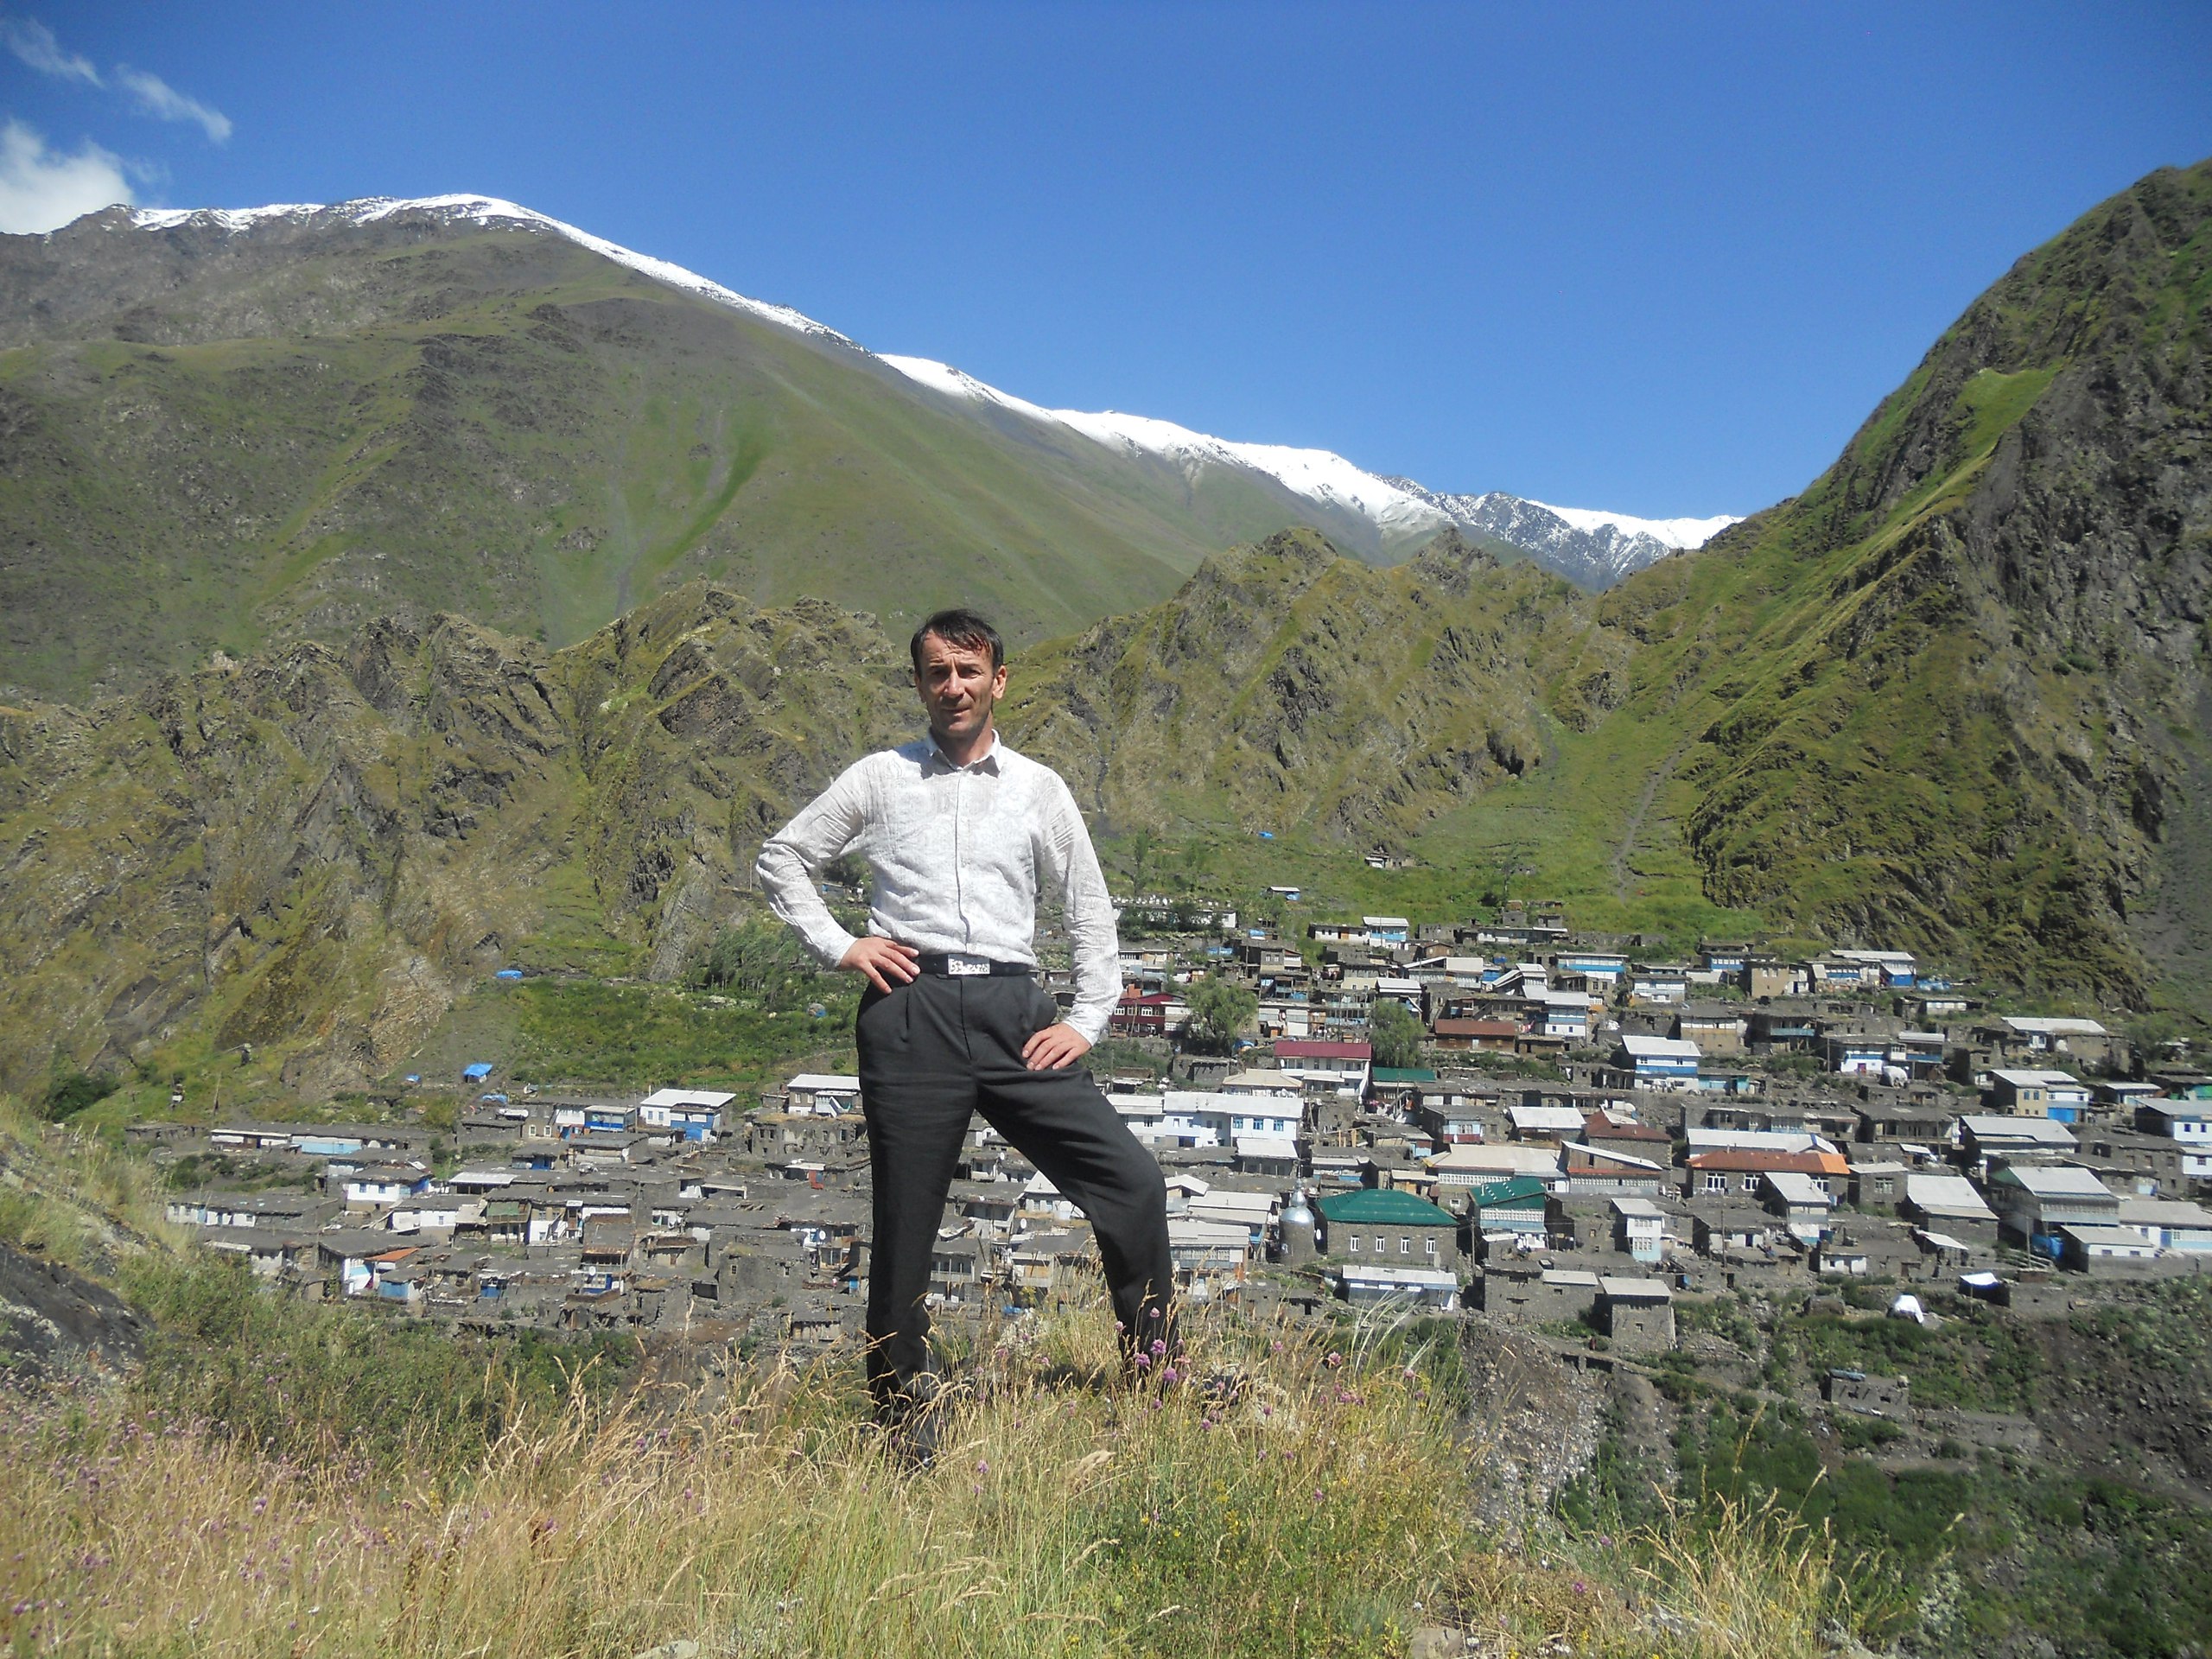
959	687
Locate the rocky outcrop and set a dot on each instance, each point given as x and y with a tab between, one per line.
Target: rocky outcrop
1285	683
57	1324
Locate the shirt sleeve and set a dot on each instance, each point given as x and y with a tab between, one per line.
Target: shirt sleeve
1074	870
824	829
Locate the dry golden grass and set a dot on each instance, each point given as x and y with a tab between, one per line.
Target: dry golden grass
1323	1507
1320	1511
69	1195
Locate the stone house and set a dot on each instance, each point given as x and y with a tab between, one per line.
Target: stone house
1388	1226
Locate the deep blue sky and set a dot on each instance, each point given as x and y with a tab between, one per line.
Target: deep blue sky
1658	259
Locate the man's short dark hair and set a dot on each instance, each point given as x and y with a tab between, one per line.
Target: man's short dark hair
962	627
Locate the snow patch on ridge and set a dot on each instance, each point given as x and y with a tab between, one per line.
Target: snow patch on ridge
1318	475
1679	533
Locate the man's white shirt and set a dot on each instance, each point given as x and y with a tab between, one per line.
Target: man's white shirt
959	854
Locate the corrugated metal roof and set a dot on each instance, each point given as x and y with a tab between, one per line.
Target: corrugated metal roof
1387	1206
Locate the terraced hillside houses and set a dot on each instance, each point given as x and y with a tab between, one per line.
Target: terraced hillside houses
1550	1115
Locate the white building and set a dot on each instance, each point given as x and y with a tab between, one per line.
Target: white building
1640	1228
2169	1224
2033	1201
1566	1013
695	1113
1250	1211
1257	1082
1471	1164
2186	1122
826	1094
2057	1036
1535	1122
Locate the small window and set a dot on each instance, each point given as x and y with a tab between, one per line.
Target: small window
1405	1245
1353	1244
1381	1244
1428	1245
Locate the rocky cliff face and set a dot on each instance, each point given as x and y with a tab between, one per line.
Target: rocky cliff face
56	1326
310	852
1285	683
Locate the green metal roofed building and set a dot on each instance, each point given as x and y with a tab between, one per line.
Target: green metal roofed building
1514	1206
1383	1227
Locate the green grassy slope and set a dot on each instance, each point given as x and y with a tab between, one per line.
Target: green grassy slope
1951	698
1947	694
1954	696
262	438
1450	706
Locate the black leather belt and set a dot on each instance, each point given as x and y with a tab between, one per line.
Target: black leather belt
960	967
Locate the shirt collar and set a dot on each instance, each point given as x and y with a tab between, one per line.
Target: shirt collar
988	761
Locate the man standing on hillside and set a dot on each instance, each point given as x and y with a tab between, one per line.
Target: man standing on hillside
958	830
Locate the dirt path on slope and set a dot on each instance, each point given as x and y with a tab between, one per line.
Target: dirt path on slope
1651	788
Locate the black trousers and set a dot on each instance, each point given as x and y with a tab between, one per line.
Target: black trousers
932	1053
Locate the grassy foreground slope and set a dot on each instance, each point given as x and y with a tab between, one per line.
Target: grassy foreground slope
283	1477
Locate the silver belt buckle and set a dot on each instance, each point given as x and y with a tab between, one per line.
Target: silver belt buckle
960	967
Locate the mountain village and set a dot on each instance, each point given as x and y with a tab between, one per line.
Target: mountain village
1590	1140
1713	1159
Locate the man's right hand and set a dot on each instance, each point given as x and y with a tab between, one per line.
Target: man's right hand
885	961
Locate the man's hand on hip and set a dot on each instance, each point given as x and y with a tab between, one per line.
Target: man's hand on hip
885	961
1055	1046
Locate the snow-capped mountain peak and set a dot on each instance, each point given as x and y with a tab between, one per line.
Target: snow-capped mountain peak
481	210
1679	533
1592	548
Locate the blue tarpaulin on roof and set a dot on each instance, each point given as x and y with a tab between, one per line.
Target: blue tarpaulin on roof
481	1070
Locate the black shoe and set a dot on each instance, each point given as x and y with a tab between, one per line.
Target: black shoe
913	1439
908	1419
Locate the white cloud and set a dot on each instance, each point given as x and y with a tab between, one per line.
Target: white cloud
158	98
42	189
34	42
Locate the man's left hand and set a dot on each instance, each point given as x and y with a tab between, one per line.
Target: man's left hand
1055	1046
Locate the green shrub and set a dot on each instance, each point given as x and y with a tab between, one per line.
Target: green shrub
1856	1432
72	1092
764	962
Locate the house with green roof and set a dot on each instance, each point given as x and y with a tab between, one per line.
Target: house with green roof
1383	1075
1515	1206
1385	1227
